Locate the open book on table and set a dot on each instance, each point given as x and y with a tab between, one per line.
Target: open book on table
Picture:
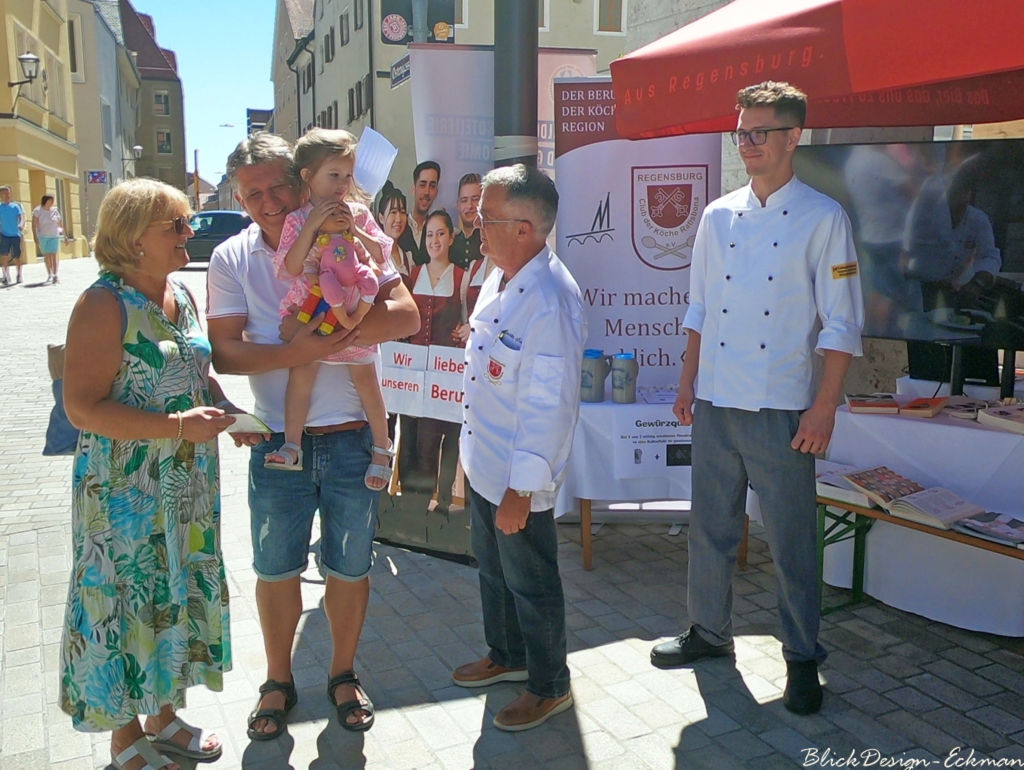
906	499
831	484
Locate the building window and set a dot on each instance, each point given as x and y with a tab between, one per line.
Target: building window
54	78
329	46
163	142
610	16
337	117
368	92
72	45
161	103
351	104
461	17
542	14
359	98
344	28
26	43
360	13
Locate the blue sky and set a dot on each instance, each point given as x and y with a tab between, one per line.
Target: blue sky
224	49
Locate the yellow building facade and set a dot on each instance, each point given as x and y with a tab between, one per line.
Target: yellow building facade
38	152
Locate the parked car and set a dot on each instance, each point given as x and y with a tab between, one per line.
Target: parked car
211	229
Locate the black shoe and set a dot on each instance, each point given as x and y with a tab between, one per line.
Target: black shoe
803	690
688	648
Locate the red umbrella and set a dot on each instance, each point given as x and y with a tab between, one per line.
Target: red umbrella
861	63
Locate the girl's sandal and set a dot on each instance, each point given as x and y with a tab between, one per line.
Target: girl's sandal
289	461
377	471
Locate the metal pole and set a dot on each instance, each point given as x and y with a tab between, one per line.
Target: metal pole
515	82
419	21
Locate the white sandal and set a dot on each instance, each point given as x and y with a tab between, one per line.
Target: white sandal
163	742
141	748
377	471
288	464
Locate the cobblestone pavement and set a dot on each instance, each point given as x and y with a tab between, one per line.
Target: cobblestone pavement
897	683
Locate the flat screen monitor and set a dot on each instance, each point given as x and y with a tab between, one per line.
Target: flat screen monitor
939	232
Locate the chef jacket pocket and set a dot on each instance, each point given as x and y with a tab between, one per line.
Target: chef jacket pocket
546	380
503	364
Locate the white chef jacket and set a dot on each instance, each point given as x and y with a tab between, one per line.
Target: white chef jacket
767	286
522	382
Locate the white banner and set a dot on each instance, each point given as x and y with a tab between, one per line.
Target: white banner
421	381
453	107
626	223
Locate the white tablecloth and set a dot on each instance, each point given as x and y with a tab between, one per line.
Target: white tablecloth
591	473
940	579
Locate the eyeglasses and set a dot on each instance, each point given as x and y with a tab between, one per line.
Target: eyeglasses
178	222
483	222
757	137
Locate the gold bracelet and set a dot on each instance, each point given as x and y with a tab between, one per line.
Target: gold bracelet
181	425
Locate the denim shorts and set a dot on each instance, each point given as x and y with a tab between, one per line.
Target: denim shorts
282	505
10	245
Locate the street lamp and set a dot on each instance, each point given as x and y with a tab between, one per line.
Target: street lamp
136	152
29	67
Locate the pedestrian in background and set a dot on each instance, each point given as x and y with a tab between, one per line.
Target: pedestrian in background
12	225
147	609
522	400
47	229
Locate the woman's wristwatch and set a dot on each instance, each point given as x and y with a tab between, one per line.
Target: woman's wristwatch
523	492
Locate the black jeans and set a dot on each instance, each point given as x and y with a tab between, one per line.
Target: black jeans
523	603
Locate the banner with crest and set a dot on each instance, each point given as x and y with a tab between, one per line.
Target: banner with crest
627	222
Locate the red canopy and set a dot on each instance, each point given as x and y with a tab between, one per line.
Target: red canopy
861	63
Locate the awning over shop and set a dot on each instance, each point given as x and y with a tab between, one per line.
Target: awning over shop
861	63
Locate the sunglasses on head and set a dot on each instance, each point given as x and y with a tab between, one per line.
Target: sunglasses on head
179	224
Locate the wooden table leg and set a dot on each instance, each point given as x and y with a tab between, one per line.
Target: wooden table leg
586	538
741	554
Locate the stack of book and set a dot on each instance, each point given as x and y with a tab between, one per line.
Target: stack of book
1009	418
886	403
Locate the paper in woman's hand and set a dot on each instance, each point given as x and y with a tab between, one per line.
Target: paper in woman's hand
248	423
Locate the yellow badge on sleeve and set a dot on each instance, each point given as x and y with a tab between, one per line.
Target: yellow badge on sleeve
845	270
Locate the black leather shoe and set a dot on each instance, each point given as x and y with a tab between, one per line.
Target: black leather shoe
686	649
803	690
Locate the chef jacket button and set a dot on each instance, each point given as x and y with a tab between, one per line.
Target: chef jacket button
769	278
728	277
472	328
473	379
469	432
721	344
784	213
467	405
762	346
732	245
480	347
740	213
495	320
520	291
766	312
775	244
725	310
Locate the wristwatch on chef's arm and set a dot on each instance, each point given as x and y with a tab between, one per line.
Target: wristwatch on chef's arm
523	492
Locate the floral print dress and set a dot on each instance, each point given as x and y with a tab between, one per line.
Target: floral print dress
147	609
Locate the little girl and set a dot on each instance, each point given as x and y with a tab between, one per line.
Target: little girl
328	240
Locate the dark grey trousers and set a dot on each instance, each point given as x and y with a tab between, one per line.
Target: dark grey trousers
730	447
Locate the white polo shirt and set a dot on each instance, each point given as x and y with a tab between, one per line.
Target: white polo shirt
522	382
768	286
241	281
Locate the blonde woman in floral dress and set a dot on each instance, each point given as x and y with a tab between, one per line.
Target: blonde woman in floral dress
147	610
